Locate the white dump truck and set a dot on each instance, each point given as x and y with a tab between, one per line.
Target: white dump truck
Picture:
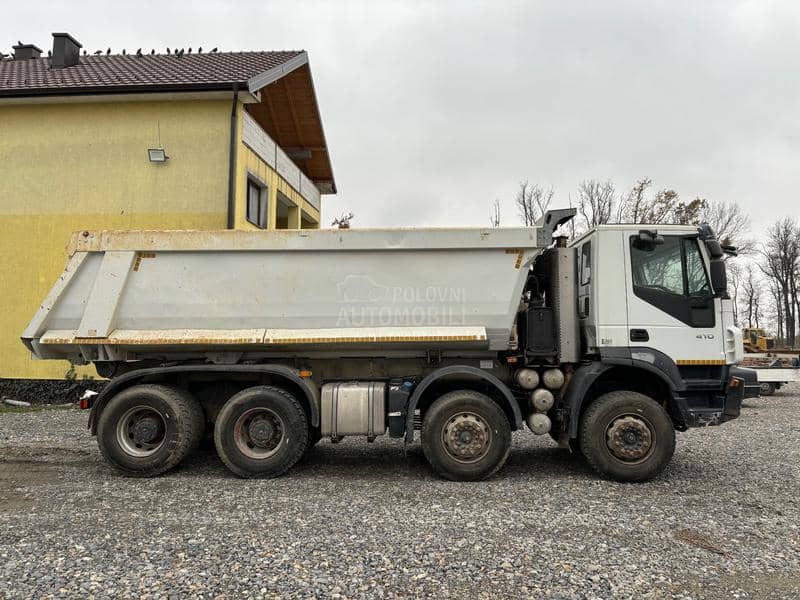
275	340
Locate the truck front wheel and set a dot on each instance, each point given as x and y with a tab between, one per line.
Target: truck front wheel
466	436
261	432
627	436
146	430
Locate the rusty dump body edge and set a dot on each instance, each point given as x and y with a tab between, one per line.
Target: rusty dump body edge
137	295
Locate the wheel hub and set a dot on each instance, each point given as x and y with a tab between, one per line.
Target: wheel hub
141	431
629	438
466	437
261	431
258	433
145	430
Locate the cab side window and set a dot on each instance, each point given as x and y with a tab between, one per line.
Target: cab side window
586	263
658	267
671	276
696	277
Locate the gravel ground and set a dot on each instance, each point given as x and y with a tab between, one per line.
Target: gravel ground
361	520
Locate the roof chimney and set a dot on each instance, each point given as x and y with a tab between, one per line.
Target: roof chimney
26	51
66	51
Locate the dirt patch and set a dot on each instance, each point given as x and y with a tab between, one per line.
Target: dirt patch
699	540
18	480
764	586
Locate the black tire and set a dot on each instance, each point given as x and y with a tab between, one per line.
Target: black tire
270	451
172	418
644	434
314	437
480	417
766	388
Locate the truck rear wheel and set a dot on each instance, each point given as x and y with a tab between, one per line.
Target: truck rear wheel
766	388
466	436
146	430
627	436
261	432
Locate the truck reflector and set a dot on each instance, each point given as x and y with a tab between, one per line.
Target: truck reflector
688	362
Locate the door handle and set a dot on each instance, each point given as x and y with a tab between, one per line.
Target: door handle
640	335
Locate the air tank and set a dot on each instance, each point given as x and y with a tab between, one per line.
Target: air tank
542	400
527	379
539	423
553	378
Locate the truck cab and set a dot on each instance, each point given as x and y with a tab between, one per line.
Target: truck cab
653	300
653	291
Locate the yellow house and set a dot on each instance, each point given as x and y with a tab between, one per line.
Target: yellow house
145	140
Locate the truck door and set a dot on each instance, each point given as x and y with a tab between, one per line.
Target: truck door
670	304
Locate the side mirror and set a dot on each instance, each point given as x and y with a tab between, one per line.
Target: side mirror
719	278
714	248
648	240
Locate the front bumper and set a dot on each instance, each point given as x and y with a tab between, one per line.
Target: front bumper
749	379
742	383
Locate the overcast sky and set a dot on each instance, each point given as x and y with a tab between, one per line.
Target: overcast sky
434	109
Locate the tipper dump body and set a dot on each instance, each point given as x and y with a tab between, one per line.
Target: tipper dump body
136	295
275	340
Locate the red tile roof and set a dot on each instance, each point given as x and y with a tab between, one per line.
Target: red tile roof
117	73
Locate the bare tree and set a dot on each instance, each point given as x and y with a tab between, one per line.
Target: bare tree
777	306
734	285
573	231
638	207
631	207
343	221
689	213
664	206
494	218
751	290
780	255
532	202
730	223
596	202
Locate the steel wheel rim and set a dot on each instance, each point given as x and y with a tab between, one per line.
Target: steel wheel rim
466	437
258	433
630	438
764	386
142	431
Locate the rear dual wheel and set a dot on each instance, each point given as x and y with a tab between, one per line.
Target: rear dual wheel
148	429
261	432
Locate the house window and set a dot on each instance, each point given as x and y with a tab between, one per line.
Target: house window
285	212
257	203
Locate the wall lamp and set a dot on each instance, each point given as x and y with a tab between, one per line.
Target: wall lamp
157	155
